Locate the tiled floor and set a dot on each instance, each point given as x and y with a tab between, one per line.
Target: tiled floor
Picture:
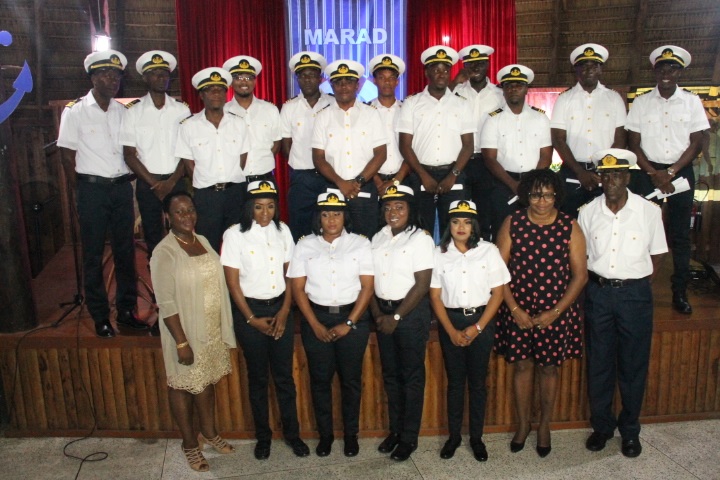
672	451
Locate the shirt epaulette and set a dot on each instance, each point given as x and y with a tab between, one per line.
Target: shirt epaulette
457	94
643	93
184	103
370	105
302	237
326	106
132	104
565	91
492	114
233	114
70	104
427	233
690	91
185	119
411	95
538	109
291	99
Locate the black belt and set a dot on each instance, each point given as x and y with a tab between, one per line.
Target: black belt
517	175
307	170
661	166
388	305
469	311
219	187
387	176
83	177
269	302
262	176
613	282
437	168
588	166
334	308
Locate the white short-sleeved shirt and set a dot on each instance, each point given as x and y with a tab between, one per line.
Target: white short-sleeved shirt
466	279
665	125
215	151
517	138
297	119
436	125
94	135
333	270
389	118
153	132
589	119
397	258
348	137
619	245
259	254
487	100
263	122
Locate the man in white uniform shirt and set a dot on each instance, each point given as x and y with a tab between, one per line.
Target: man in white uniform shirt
625	238
99	178
148	135
297	118
214	145
515	140
666	129
586	118
436	138
473	83
261	117
350	145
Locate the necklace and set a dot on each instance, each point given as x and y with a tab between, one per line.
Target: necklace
183	241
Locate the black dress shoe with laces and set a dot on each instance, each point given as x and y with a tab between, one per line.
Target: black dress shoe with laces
403	451
680	304
351	448
127	319
479	450
389	444
448	450
262	449
631	447
324	447
104	329
597	441
299	448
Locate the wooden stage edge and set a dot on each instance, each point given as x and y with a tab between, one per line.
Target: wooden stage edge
54	378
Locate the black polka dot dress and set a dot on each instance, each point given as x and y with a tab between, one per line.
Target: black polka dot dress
540	269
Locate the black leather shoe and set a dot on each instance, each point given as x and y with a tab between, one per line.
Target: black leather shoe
448	450
597	441
262	449
680	304
104	329
479	450
324	447
299	448
351	448
403	451
127	318
516	447
543	451
389	444
631	447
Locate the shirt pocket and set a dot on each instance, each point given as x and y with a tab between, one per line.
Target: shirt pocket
95	138
201	149
234	146
651	126
632	243
348	274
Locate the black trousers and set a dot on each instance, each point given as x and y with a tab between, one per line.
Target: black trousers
467	364
427	202
104	209
618	333
479	182
151	213
403	367
344	356
499	208
217	210
677	220
575	195
305	186
262	355
364	210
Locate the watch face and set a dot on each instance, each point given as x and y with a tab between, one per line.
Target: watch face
396	182
396	317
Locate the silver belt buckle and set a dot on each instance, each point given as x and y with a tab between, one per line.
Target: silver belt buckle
333	309
469	311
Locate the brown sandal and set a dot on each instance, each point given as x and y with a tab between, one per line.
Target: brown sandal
195	459
218	443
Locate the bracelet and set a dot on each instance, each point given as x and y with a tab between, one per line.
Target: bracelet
182	345
479	328
250	318
513	310
557	311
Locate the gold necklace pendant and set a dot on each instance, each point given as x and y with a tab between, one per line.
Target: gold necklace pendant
183	241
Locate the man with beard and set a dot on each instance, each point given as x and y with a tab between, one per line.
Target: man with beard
666	129
586	118
625	240
99	181
213	145
297	119
261	117
149	134
436	138
515	140
472	83
349	145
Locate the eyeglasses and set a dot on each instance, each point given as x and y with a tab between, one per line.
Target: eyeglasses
536	196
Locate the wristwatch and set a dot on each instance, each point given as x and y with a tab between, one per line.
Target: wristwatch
397	317
351	324
671	171
360	179
395	181
479	328
456	172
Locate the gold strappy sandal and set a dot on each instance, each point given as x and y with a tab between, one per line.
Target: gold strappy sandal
218	443
195	459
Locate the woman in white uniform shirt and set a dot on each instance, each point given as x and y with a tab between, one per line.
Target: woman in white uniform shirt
403	260
255	256
466	291
332	282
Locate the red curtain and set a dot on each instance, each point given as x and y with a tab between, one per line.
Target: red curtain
464	22
211	31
